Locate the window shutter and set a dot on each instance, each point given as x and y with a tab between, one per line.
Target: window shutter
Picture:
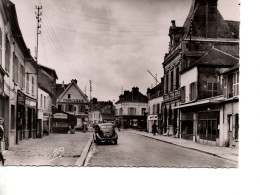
1	45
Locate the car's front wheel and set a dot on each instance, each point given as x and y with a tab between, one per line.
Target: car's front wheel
115	141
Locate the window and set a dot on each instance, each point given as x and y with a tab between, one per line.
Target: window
143	111
225	92
177	78
44	102
59	108
1	45
75	108
166	83
158	109
236	84
121	111
7	54
69	96
15	68
132	111
22	76
212	89
32	85
69	108
83	109
183	94
41	100
153	109
27	83
172	80
193	91
12	116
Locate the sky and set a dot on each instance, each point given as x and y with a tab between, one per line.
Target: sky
110	42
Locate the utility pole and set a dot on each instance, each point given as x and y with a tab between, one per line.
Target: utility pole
90	89
38	18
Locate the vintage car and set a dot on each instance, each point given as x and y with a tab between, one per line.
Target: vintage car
105	132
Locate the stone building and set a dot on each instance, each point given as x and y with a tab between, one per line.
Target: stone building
131	109
199	51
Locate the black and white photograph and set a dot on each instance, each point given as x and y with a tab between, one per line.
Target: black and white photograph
100	84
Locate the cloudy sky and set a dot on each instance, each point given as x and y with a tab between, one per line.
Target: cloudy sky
111	42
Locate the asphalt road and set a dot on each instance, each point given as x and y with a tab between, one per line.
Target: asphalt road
138	151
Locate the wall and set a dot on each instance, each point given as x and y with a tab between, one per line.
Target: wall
187	78
138	106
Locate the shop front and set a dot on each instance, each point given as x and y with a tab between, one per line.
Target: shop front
26	117
62	121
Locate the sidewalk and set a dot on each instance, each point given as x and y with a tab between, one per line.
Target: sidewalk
40	152
222	152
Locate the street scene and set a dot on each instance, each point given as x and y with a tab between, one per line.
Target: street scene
98	84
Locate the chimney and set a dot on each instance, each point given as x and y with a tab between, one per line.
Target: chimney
63	86
94	100
75	81
126	92
135	89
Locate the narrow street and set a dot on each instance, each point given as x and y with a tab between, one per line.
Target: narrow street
135	150
38	152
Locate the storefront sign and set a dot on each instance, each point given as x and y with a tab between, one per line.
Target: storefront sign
46	114
60	115
152	117
73	100
30	103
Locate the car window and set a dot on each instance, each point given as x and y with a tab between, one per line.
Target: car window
107	127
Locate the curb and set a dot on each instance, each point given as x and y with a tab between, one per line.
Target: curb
81	159
198	150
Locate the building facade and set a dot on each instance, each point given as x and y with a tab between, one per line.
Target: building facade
101	112
46	98
155	100
72	100
20	80
131	109
199	51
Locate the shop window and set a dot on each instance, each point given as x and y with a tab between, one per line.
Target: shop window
12	116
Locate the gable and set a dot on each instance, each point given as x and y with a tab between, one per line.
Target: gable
76	96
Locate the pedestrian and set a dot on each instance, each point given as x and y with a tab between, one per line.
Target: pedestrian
1	139
118	125
154	128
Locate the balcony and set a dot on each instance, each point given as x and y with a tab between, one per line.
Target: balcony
172	95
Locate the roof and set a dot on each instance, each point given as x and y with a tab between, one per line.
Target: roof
99	105
217	58
77	87
48	70
155	92
235	67
133	96
108	116
234	27
198	17
15	29
60	88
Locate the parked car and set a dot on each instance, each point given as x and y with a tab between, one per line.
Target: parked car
105	132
